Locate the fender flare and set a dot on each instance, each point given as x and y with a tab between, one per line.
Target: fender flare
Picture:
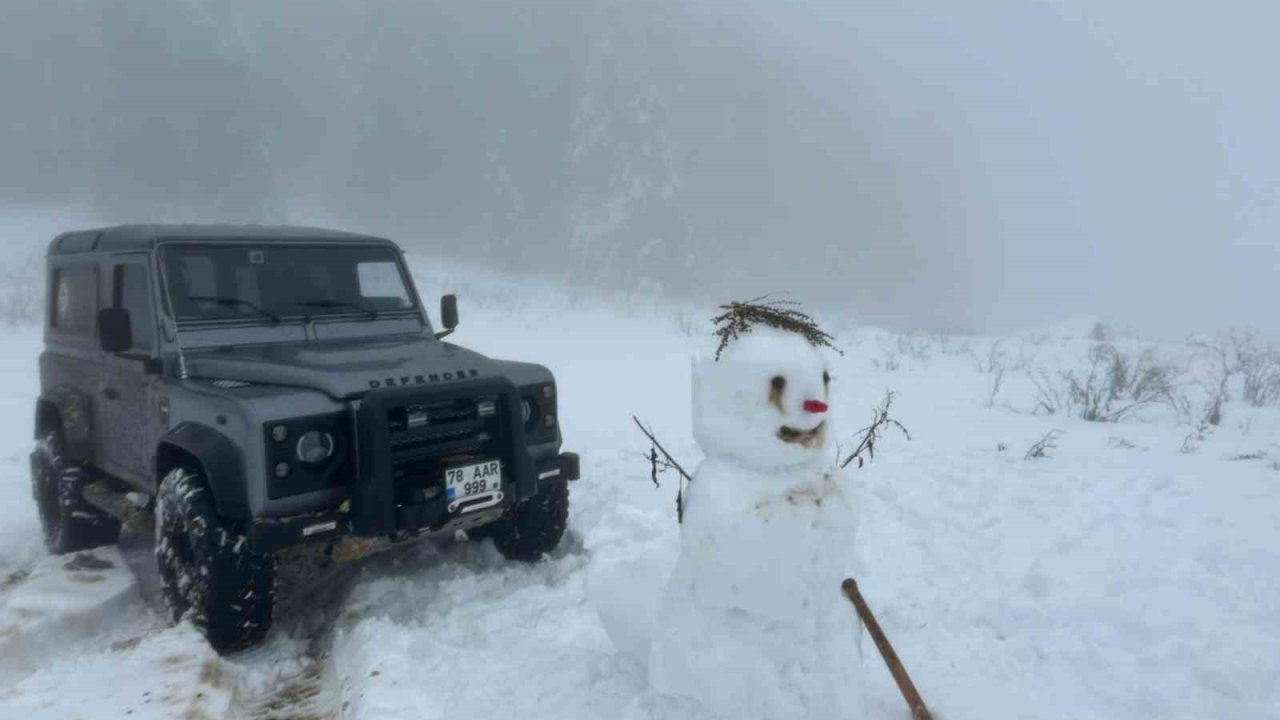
217	458
71	410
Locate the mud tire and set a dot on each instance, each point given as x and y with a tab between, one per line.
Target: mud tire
69	522
208	574
532	528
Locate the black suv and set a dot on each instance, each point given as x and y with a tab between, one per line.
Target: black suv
256	388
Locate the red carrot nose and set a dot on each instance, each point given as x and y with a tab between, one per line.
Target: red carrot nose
815	406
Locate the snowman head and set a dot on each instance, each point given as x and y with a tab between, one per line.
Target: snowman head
765	404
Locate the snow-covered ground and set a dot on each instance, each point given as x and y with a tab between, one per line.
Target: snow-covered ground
1130	574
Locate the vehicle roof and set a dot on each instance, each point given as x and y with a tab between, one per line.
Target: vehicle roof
125	238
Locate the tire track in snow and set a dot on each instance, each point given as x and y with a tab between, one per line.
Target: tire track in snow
288	677
291	676
14	578
275	685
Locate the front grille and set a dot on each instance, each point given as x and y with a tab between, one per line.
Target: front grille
408	437
427	437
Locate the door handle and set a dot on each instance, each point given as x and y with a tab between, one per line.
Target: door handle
109	393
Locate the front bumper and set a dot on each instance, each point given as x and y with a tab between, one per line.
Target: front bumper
268	535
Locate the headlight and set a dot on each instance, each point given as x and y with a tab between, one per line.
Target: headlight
315	447
539	408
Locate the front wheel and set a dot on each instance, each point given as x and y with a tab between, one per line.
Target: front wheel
533	527
207	571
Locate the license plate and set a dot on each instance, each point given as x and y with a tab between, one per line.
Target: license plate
471	481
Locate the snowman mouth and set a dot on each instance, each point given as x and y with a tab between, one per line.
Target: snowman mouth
810	438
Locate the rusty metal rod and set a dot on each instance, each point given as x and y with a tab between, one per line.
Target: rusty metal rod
900	676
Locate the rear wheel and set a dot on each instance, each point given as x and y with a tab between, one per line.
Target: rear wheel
533	527
69	522
207	571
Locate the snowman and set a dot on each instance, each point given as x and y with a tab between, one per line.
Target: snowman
753	623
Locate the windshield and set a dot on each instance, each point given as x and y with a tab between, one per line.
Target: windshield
273	282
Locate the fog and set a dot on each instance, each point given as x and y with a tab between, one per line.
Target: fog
977	166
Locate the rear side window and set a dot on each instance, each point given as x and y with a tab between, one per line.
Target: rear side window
75	298
132	291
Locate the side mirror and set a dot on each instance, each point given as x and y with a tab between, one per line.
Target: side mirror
448	314
115	331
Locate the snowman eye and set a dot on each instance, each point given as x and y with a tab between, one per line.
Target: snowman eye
775	394
826	378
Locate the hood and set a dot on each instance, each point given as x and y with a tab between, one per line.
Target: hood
343	369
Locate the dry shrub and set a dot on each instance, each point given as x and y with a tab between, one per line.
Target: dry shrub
1042	447
1101	333
871	435
916	345
998	365
1114	386
1238	353
1260	367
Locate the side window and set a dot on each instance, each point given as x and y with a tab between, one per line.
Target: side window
132	291
74	299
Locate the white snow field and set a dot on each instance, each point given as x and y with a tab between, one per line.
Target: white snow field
1132	573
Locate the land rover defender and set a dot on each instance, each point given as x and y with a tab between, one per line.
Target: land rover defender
252	389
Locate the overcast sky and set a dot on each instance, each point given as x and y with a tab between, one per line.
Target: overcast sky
1114	158
980	166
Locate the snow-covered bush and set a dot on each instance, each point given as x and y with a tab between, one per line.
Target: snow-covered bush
1222	360
1260	367
898	349
952	346
998	364
916	345
1262	380
1237	360
889	363
1113	385
1102	333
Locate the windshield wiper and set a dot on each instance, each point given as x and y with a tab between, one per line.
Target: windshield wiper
228	301
373	314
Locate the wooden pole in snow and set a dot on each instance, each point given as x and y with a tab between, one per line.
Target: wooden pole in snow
914	701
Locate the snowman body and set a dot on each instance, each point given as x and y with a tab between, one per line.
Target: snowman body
752	623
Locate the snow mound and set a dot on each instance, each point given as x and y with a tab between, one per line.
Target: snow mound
631	563
64	598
